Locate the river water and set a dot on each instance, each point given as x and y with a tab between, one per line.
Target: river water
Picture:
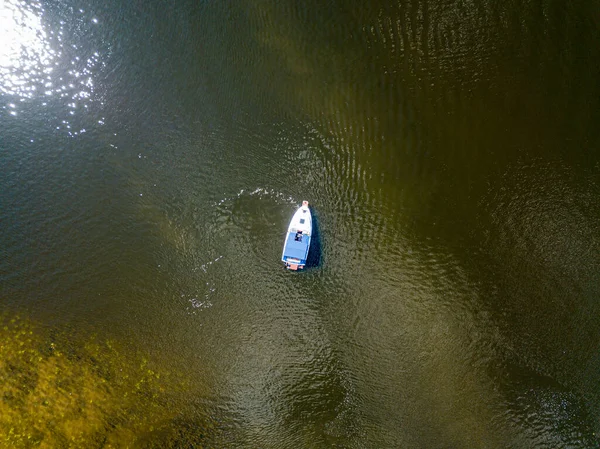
153	152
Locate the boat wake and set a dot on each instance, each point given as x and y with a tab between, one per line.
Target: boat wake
260	192
199	302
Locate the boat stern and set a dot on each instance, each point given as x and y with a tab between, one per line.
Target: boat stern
294	264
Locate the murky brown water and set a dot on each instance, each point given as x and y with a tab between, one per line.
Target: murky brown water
152	154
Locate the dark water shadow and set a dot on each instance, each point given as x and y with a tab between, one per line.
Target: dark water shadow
315	258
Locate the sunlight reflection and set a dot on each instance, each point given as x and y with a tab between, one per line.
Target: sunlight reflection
25	56
37	61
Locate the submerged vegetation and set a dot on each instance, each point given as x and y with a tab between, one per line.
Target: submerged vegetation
54	393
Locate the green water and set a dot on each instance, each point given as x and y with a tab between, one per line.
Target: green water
449	151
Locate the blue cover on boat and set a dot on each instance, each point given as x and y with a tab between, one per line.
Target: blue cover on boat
296	249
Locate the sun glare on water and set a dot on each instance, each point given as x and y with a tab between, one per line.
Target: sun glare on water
44	59
26	58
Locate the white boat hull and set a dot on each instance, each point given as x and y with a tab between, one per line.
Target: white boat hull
297	241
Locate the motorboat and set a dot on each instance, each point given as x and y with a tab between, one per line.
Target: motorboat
297	240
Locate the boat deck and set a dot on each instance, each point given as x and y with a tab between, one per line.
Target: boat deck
296	249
